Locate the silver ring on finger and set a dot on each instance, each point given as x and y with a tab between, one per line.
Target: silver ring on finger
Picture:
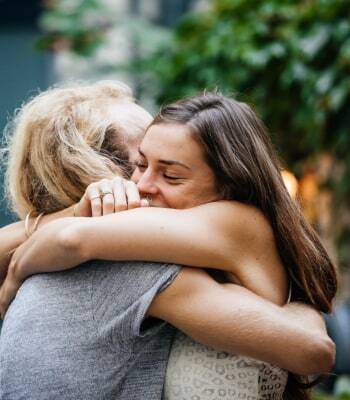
105	192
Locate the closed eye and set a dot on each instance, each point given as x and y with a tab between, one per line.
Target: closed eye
141	166
173	178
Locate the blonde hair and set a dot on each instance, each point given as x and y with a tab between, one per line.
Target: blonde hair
61	141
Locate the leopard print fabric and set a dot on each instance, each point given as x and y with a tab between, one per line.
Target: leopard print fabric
196	372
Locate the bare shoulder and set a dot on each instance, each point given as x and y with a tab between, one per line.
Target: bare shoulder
238	219
189	280
247	240
186	286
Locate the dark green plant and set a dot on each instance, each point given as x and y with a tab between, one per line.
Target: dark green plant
79	25
291	59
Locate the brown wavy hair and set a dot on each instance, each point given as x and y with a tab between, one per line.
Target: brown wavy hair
238	149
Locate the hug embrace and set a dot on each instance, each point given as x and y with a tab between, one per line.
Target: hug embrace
155	258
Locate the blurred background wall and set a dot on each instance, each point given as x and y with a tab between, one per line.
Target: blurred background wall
22	68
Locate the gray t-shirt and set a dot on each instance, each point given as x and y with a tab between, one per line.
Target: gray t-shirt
77	334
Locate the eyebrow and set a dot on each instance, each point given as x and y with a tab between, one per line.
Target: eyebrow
167	162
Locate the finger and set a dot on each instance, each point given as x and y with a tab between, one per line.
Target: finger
144	203
83	208
132	194
93	194
120	203
107	204
107	196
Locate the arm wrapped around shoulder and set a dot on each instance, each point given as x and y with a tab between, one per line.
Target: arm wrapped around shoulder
233	319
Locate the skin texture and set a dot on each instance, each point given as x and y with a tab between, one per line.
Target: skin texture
292	336
171	170
257	328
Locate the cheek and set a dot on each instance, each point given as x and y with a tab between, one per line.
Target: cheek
173	196
203	191
189	194
184	196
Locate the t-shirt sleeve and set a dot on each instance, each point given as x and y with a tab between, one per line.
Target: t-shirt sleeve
136	315
122	292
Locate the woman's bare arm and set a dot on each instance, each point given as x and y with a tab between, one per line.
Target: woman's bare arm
229	236
292	336
269	331
13	235
204	236
231	318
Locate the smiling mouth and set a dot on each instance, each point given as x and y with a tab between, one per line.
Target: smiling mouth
148	198
152	203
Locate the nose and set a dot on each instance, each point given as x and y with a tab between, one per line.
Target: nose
146	182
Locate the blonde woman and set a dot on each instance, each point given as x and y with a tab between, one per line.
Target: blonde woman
248	331
61	141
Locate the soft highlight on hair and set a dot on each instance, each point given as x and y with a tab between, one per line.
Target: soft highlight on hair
239	151
59	142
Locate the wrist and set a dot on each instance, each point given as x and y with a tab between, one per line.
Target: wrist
14	273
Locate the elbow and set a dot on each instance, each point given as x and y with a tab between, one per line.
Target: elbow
319	357
325	355
69	240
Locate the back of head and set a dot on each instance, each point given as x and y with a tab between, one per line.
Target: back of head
62	140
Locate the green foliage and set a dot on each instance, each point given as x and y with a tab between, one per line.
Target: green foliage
291	59
79	25
318	396
341	390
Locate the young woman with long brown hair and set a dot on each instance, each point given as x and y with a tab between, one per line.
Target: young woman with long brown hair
255	228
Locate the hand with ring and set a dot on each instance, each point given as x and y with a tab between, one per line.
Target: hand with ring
109	196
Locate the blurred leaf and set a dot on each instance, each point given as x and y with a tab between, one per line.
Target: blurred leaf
342	388
291	58
313	43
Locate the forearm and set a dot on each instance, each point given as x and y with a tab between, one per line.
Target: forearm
235	320
47	218
45	251
161	235
269	333
11	237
